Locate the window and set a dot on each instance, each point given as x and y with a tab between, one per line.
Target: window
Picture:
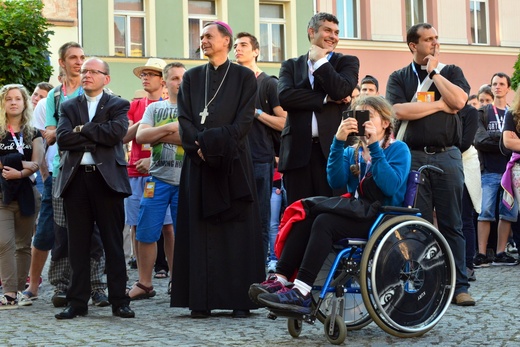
348	17
129	36
414	12
478	14
272	32
200	12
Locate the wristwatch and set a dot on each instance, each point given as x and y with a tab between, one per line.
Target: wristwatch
433	73
258	112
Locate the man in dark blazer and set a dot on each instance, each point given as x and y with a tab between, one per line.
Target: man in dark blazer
93	182
314	89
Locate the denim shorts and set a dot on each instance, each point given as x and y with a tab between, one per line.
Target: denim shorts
133	202
44	236
491	190
152	211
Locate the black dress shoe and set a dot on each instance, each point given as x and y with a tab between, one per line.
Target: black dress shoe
71	312
197	314
123	311
241	313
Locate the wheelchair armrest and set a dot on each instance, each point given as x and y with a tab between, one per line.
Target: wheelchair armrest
402	210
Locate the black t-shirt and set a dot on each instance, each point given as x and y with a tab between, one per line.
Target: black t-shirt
509	124
494	162
8	145
260	139
438	129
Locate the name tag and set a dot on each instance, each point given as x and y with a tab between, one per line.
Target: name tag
149	189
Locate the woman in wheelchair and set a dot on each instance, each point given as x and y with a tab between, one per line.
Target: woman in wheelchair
376	169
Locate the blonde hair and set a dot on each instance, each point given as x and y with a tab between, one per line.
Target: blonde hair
385	111
25	123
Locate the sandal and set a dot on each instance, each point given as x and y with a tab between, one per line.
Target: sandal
148	292
8	303
161	274
26	298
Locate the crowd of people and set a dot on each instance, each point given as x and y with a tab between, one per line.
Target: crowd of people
215	153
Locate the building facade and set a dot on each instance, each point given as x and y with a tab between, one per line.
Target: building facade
481	36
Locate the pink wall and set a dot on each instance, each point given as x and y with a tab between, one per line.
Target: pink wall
478	69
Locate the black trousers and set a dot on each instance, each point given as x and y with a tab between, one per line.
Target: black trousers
89	200
310	242
310	180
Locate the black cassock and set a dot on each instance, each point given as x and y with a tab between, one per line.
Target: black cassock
218	242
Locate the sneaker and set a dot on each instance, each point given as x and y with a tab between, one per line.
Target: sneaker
463	299
481	261
504	259
59	299
288	300
99	298
8	303
271	266
26	298
511	247
28	282
471	274
271	285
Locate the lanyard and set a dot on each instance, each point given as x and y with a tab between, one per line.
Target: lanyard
19	145
64	91
500	120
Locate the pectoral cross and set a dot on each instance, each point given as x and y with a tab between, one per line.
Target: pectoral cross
203	115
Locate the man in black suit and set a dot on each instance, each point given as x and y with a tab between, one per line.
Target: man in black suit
93	182
314	89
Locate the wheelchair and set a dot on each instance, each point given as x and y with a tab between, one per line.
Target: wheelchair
402	277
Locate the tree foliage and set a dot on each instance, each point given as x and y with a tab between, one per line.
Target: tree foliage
515	79
24	40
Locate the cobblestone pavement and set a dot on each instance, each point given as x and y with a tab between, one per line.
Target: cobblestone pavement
493	321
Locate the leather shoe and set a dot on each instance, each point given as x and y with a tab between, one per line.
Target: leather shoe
71	312
123	311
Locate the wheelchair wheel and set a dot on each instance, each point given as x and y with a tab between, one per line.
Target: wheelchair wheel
354	314
407	275
294	326
338	334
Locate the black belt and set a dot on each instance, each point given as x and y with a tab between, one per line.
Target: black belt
88	168
431	149
315	140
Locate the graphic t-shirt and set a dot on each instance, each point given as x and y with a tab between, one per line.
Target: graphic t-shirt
167	158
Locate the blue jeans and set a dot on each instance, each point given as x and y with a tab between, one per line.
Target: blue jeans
444	193
264	184
490	191
276	207
44	237
468	227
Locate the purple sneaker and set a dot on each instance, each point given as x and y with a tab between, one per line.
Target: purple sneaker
271	285
287	300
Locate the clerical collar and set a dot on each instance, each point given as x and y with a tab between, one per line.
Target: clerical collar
217	67
93	98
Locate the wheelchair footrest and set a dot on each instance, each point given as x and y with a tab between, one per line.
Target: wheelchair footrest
400	210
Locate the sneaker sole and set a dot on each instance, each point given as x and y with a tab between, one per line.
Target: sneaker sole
504	264
286	307
8	307
481	265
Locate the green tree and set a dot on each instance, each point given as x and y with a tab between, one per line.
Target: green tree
515	79
24	40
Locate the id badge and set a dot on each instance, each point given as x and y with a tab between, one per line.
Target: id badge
149	189
146	147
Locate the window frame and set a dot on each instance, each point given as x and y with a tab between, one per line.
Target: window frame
344	18
270	22
202	19
410	16
128	37
474	31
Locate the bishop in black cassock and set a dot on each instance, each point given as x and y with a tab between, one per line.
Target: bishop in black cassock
218	242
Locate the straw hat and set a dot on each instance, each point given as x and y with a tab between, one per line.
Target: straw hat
154	64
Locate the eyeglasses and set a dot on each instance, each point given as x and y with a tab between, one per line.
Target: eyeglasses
92	72
148	74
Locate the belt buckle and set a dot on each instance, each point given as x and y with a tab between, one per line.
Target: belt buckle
425	149
90	168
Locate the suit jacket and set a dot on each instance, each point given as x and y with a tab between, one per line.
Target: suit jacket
103	137
337	79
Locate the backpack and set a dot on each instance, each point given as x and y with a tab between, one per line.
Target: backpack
264	91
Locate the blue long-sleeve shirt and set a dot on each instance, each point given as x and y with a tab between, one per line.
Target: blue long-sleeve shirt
389	167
